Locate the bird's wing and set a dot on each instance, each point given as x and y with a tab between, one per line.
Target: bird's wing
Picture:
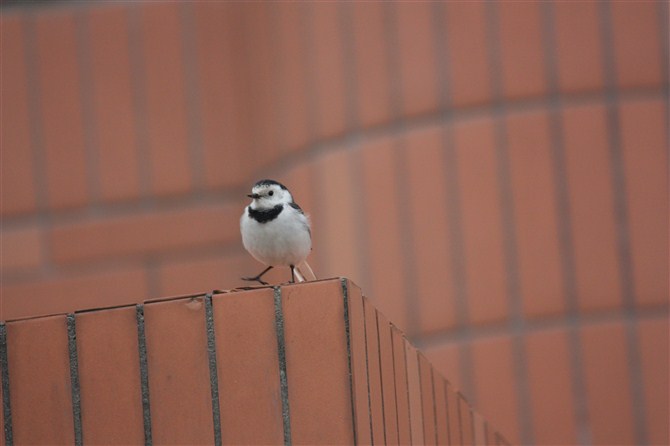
295	206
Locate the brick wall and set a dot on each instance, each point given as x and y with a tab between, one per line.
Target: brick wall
493	174
306	364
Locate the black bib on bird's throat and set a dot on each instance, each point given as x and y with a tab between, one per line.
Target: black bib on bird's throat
265	215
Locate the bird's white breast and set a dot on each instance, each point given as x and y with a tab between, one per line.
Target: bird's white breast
283	241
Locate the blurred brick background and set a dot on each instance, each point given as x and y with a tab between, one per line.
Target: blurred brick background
494	176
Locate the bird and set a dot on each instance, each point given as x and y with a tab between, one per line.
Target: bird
275	230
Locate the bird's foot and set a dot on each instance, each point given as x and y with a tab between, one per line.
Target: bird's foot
255	279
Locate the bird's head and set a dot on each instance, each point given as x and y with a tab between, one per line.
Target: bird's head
267	194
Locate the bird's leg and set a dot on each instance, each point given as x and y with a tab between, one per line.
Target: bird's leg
257	278
292	273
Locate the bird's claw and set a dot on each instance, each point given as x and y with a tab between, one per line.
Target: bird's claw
255	279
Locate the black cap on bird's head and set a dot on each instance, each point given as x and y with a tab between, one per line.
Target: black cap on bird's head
268	183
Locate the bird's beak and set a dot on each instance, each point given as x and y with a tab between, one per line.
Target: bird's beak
254	196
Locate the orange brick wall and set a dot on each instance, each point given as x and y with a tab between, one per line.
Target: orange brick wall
313	363
493	174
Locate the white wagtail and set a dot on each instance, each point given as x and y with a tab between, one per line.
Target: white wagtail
275	231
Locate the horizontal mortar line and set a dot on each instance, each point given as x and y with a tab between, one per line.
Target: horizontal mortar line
102	211
19	7
459	335
352	139
51	269
121	263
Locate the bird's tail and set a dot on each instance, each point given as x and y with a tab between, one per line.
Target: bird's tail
304	272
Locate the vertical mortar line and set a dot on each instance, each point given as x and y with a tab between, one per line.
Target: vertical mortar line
138	82
213	373
280	97
460	416
279	93
395	386
621	219
423	415
144	374
381	375
432	388
308	49
349	49
151	265
86	93
409	410
36	135
367	371
398	131
354	127
74	378
191	69
347	331
283	381
452	204
450	435
6	400
36	120
251	77
472	423
508	226
664	38
664	18
458	249
516	320
564	228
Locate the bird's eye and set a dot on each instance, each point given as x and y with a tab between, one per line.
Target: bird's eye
271	193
